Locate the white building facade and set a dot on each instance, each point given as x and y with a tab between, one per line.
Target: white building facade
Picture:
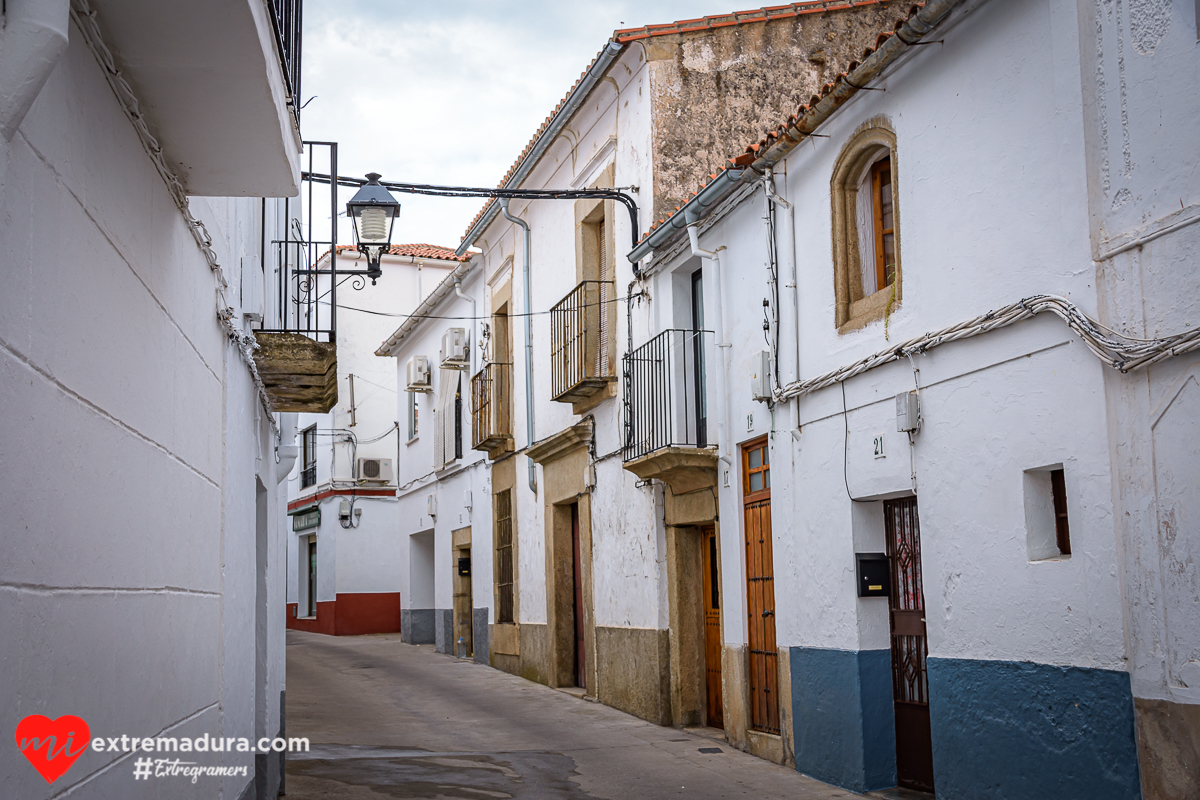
142	576
343	553
1030	633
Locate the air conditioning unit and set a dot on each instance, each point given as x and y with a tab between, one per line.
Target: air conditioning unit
456	352
419	375
375	470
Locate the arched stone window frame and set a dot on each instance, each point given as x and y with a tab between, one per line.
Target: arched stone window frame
853	310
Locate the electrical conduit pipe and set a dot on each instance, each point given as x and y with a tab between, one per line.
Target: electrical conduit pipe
769	189
722	370
471	339
528	339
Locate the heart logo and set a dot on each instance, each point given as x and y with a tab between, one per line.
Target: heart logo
49	744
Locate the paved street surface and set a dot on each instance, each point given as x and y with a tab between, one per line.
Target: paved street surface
392	720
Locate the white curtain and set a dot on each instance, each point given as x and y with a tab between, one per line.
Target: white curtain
864	207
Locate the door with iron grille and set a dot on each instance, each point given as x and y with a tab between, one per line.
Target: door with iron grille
910	684
714	704
760	588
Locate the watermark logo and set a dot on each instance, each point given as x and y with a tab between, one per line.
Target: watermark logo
52	745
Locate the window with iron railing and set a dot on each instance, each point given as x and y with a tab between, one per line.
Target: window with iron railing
491	407
665	384
581	361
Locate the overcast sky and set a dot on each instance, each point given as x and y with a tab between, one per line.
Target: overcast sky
450	92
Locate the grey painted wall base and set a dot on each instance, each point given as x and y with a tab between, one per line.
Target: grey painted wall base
480	631
416	625
443	630
1005	730
842	717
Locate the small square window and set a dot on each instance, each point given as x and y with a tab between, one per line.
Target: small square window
1047	527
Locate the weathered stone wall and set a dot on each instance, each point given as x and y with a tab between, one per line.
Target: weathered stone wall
713	92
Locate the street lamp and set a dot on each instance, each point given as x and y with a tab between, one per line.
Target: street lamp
373	210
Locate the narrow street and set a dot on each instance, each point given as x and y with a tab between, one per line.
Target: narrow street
397	720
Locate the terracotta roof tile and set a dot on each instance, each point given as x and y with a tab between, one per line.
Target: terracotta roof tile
766	14
416	251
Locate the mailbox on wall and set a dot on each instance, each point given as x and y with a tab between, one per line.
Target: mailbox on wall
464	566
873	575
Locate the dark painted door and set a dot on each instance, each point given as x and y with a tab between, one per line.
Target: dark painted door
712	630
910	684
760	588
312	576
577	579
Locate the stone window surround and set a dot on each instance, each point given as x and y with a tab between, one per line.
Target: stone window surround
853	311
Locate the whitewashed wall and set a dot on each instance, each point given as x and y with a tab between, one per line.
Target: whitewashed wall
989	213
133	444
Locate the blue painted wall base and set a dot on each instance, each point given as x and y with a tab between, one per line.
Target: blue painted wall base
1006	730
842	716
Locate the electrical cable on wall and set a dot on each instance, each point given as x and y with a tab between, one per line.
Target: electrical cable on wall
1122	353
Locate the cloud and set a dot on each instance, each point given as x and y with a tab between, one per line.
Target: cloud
448	93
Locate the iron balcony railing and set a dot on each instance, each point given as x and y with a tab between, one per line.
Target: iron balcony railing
580	358
308	477
665	403
491	406
287	19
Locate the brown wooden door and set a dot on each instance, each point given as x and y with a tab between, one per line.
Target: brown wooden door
712	629
910	684
577	579
760	588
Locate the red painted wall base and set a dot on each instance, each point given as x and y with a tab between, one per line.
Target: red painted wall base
352	614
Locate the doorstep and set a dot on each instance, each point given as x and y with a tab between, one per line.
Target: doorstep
900	794
717	734
576	692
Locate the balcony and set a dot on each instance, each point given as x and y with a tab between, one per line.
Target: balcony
298	371
666	411
491	410
217	82
581	363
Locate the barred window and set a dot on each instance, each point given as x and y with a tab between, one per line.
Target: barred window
504	557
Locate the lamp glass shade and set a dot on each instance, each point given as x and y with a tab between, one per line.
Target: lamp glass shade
373	211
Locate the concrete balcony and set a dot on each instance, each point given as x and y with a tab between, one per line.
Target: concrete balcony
581	363
491	410
214	81
666	428
300	373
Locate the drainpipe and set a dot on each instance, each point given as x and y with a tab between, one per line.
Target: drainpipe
287	446
471	339
722	346
34	38
769	189
528	340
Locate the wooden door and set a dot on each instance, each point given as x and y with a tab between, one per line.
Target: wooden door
312	576
760	588
910	685
577	580
712	629
463	606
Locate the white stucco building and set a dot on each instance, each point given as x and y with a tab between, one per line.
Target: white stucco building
141	582
344	561
885	476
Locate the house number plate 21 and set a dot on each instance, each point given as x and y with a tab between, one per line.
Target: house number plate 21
877	446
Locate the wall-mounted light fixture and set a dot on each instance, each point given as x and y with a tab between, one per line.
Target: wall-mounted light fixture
373	211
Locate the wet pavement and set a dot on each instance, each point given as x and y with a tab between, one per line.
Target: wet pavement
391	720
